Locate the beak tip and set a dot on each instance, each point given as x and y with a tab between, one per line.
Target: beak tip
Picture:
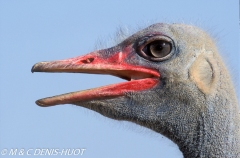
44	103
40	103
38	67
32	70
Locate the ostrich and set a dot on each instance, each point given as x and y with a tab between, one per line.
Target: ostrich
177	85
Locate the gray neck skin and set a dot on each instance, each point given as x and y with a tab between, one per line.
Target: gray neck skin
216	134
214	139
206	127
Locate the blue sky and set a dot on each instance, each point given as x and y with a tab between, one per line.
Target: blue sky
41	30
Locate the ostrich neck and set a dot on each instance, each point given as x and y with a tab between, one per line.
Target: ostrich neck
218	132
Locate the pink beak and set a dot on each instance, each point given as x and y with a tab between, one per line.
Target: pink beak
139	78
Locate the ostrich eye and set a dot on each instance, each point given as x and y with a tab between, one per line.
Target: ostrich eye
158	49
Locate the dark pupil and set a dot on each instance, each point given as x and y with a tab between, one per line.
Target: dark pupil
159	49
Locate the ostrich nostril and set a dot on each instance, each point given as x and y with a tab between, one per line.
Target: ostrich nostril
88	60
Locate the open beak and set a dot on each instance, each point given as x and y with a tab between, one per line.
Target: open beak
139	78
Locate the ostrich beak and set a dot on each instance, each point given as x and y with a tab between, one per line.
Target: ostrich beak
139	78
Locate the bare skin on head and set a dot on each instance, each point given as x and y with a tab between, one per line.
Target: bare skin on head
177	85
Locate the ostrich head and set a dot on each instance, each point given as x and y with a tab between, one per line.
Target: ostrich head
177	85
